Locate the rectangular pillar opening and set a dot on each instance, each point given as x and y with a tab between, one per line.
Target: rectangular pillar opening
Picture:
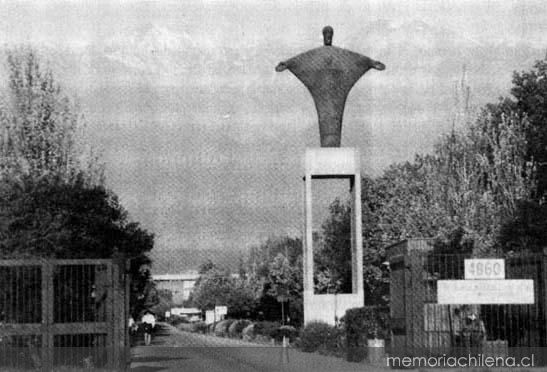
332	232
331	174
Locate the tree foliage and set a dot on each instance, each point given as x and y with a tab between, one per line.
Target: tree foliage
281	278
53	203
527	230
462	194
272	274
162	301
277	263
41	129
332	261
52	219
524	231
530	100
481	175
217	287
261	255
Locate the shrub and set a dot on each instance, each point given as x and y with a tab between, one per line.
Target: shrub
248	333
365	322
266	328
186	327
321	336
176	320
285	331
221	328
201	327
236	327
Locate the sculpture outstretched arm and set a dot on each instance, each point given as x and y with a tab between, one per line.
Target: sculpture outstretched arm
368	63
378	65
281	66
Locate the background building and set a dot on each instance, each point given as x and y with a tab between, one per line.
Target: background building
180	285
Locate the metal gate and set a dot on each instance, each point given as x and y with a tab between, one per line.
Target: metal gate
421	326
63	313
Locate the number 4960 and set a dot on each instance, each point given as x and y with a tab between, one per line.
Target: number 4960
481	268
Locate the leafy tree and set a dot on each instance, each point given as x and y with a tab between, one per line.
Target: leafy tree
206	267
217	287
283	282
260	256
284	256
471	182
483	173
530	100
41	129
245	296
52	200
523	230
527	101
211	288
462	194
52	219
527	230
332	261
325	282
162	302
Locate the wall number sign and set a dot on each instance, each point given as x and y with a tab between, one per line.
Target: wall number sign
484	268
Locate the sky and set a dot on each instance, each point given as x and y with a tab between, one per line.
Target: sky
203	141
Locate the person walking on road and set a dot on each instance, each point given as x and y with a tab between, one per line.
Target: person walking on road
148	323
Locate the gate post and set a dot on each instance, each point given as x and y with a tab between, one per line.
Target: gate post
543	294
119	322
47	316
111	315
126	292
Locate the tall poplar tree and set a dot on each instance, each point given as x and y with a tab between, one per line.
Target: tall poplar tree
41	128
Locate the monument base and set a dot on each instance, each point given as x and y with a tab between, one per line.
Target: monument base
334	163
329	308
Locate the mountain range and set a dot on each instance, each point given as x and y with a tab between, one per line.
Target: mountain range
164	56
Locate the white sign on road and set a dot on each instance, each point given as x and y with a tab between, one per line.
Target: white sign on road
484	268
512	291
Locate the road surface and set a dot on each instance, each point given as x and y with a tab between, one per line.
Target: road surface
173	350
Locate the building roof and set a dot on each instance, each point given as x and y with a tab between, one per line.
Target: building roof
185	310
176	277
411	244
188	275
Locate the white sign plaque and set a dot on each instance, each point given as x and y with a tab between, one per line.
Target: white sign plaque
480	291
484	268
221	310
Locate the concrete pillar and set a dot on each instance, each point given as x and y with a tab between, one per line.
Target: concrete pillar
333	163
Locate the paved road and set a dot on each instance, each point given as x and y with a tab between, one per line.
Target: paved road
173	350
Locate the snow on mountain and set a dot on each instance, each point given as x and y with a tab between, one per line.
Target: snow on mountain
151	49
159	55
149	39
417	35
157	51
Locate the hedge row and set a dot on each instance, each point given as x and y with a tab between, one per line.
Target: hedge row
199	327
322	337
260	331
366	322
357	325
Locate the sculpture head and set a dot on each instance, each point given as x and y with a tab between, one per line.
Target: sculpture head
327	35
